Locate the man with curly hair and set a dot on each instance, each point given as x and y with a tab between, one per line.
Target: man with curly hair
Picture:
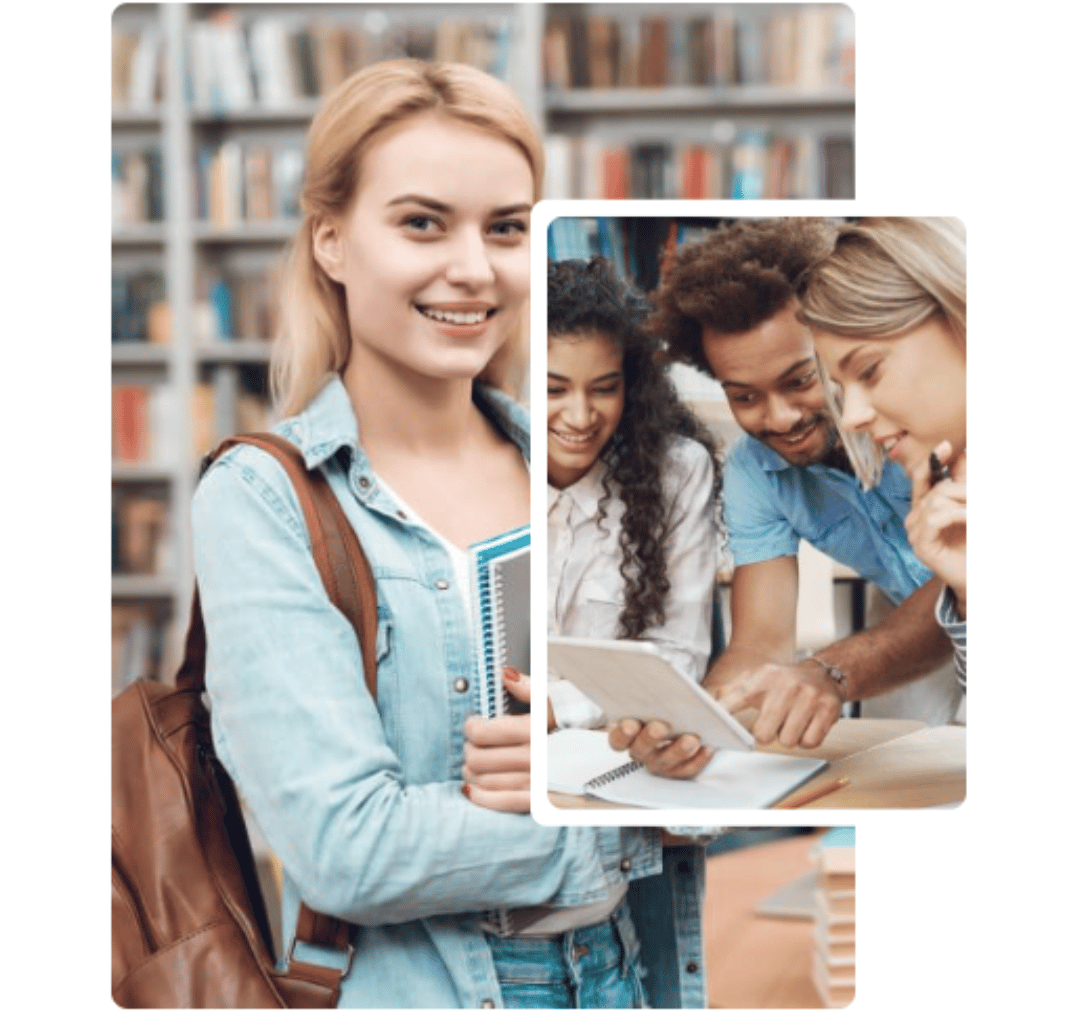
728	305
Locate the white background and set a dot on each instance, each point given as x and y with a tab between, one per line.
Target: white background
961	109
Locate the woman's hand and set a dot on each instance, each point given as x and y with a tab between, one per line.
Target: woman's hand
652	745
496	769
937	523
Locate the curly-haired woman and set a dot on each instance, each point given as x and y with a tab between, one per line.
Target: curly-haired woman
633	491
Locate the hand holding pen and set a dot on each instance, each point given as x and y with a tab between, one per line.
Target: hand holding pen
937	523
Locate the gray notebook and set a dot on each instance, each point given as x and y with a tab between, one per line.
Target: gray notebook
500	592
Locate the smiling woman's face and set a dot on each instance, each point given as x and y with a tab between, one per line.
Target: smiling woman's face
908	392
433	252
586	396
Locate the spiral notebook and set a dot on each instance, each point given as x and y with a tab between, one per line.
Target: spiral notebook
580	761
499	577
499	572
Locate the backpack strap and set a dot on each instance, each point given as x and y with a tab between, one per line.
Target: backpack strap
349	582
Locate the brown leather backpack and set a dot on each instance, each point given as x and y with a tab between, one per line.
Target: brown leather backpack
189	927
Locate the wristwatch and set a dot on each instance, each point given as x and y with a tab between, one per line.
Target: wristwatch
834	672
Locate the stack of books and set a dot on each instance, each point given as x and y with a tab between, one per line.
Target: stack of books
834	917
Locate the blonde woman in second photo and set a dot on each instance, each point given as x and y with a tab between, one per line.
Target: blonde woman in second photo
406	815
888	310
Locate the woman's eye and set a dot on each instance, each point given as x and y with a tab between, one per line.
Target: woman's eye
420	222
870	373
802	381
509	229
606	390
744	399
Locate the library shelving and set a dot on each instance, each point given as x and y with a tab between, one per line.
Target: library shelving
210	104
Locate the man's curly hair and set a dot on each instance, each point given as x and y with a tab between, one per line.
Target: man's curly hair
586	298
742	274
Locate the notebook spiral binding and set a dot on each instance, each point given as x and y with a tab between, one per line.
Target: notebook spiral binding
613	776
500	649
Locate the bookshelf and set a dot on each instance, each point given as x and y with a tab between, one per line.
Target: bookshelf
210	101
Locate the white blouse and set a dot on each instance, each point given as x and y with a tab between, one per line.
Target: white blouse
585	588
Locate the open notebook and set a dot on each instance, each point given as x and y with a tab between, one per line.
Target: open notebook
580	761
499	570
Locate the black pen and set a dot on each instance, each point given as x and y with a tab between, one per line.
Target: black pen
938	471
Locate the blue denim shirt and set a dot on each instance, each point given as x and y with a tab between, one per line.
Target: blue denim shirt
362	801
770	505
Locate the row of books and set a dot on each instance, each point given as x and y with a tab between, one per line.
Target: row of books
757	164
141	640
137	68
238	304
834	918
273	62
142	540
237	181
137	186
140	312
805	46
145	415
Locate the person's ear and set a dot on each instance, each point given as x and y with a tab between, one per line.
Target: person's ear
327	246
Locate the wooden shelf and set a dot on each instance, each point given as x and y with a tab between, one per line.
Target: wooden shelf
141	473
632	101
142	587
244	232
237	352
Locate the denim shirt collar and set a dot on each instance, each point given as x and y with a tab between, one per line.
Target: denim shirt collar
329	422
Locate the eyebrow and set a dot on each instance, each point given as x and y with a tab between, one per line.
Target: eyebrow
798	366
601	378
846	359
445	208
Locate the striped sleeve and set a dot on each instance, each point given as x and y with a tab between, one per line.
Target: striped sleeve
949	619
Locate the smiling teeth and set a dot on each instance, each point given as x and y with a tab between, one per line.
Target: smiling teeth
888	443
458	318
576	439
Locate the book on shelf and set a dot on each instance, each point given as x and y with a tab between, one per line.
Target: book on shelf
137	67
137	186
834	917
142	637
140	311
277	62
237	302
238	181
758	163
142	419
142	541
807	47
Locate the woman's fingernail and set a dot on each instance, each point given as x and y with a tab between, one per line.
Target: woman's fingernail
510	673
465	789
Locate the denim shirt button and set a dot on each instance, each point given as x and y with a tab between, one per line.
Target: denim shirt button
461	685
442	584
625	866
692	967
401	515
364	482
488	1004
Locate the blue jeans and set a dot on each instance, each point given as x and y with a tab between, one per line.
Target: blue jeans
596	966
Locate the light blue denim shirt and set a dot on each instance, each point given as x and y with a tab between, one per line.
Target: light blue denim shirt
770	505
362	802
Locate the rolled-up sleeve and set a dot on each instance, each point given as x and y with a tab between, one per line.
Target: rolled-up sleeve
757	529
301	736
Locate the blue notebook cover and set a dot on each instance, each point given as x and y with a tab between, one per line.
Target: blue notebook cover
500	594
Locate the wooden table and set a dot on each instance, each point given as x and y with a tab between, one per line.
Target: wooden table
754	960
889	763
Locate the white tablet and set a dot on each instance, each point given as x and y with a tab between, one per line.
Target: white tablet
633	680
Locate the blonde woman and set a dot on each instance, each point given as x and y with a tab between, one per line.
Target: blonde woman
888	309
407	815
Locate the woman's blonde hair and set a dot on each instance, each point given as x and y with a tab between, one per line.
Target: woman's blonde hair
313	340
887	275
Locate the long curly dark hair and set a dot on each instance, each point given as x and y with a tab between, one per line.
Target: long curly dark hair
586	297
